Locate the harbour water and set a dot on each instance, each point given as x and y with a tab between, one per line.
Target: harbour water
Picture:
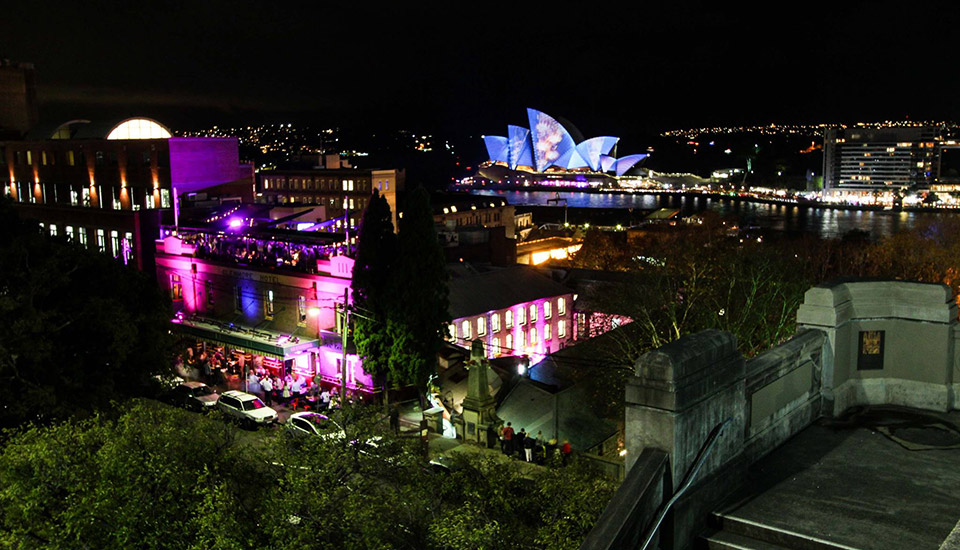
825	222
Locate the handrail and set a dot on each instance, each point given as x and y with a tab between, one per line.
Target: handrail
687	480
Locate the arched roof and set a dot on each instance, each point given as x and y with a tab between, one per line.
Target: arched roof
139	128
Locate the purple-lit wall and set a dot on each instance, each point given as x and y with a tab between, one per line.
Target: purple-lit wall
497	340
199	163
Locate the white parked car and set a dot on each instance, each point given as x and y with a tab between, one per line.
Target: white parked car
246	408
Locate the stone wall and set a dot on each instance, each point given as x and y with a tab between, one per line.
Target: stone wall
888	342
858	343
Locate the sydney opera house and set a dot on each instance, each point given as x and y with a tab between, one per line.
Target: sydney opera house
547	153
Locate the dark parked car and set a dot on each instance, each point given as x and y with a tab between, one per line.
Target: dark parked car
195	396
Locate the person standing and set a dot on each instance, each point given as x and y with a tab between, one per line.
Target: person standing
565	451
518	443
267	390
528	444
395	419
508	440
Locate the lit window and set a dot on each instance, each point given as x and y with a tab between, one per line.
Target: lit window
452	331
128	246
533	312
71	159
561	329
481	326
176	289
496	347
465	330
547	332
547	310
533	335
139	128
69	231
43	158
509	341
269	305
83	236
164	198
495	322
101	241
30	158
508	317
115	243
521	315
53	230
302	309
520	339
561	306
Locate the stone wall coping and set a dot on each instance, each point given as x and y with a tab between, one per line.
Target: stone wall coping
687	355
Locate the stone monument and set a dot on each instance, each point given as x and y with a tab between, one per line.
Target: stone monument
480	421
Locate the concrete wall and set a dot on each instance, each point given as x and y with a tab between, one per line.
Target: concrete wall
918	364
682	390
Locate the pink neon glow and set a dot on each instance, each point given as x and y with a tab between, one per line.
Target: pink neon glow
236	222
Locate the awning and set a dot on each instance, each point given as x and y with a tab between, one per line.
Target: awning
248	339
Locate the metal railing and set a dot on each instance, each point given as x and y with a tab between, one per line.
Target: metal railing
705	450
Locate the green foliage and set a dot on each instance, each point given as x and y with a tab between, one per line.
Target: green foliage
154	478
400	292
159	477
420	314
373	285
77	329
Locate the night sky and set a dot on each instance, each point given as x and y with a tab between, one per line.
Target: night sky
474	69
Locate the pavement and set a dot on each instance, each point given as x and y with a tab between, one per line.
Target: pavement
886	478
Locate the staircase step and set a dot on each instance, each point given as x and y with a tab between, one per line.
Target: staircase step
775	535
725	540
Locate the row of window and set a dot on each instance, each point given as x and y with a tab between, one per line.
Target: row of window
80	195
523	339
269	308
521	316
311	183
117	247
78	158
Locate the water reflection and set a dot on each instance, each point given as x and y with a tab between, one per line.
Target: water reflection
825	222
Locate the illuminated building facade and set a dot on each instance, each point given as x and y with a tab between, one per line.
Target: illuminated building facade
110	186
515	311
340	190
880	160
548	145
273	295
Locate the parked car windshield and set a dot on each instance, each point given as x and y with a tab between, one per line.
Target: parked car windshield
253	404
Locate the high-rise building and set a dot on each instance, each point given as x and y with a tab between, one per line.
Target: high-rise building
870	160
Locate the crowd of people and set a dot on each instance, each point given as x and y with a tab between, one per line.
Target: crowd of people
290	389
530	448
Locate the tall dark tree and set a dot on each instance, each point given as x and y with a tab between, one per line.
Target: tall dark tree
77	329
417	325
373	286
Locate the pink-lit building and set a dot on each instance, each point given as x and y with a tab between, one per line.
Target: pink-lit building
515	311
274	295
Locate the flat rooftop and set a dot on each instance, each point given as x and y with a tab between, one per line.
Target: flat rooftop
885	477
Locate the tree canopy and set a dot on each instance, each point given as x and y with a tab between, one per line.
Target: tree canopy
77	329
374	286
421	313
151	476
